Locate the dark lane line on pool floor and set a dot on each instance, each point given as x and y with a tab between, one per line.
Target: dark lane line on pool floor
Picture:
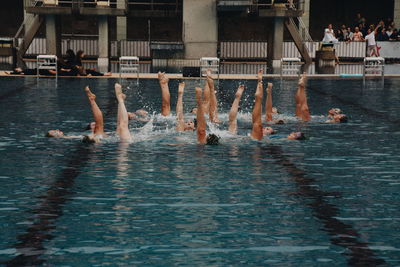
368	111
16	91
31	245
343	235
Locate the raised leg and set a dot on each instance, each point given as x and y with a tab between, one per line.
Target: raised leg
268	103
166	97
201	120
234	110
180	121
97	114
213	99
123	120
207	97
257	132
302	110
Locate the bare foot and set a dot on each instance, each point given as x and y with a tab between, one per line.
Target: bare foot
259	75
269	88
108	74
118	90
89	93
239	91
303	80
181	88
162	77
209	74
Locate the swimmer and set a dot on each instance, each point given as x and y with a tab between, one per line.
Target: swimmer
213	99
302	110
139	115
268	104
122	117
166	97
296	136
96	127
181	125
338	118
334	111
257	130
268	131
211	139
234	110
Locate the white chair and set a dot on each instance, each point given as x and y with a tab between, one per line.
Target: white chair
128	65
46	62
290	66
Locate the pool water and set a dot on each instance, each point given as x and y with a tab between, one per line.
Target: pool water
163	200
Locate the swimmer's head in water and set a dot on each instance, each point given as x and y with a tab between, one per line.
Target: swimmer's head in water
88	140
280	122
55	133
132	116
268	131
274	110
212	139
297	136
90	126
334	111
189	126
194	111
142	112
340	118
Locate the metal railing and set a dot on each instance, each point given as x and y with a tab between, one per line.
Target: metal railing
76	3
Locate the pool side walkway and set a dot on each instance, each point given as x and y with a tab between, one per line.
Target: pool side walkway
221	76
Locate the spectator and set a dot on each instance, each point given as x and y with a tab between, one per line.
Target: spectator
357	35
394	36
349	34
370	38
389	31
345	32
329	36
382	36
339	35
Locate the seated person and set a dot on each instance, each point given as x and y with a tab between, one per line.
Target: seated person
86	72
20	71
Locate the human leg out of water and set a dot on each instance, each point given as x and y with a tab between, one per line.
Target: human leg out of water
206	99
213	99
97	114
201	120
166	97
257	131
302	110
234	110
122	119
180	121
268	103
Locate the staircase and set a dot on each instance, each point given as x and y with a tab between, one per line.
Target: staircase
300	35
31	26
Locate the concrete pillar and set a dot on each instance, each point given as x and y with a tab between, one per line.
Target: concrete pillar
28	17
275	45
121	22
396	15
306	14
200	28
53	35
103	60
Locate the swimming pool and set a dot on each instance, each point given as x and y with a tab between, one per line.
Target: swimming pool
164	200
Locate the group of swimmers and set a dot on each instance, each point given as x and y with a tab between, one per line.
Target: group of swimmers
70	66
206	104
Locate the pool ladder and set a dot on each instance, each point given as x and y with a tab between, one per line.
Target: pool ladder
46	62
290	66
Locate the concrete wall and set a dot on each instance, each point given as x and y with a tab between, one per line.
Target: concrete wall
200	28
397	13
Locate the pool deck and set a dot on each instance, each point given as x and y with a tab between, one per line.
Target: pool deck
221	76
